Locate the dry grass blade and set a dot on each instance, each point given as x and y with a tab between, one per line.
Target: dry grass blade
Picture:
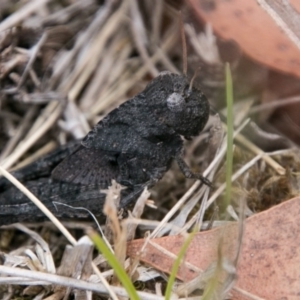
12	158
22	14
71	282
38	154
39	204
139	34
45	255
54	220
277	167
136	213
20	131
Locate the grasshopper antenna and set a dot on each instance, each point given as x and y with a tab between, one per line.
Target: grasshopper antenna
184	48
193	79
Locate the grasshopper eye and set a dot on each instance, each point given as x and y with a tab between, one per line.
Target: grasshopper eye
175	102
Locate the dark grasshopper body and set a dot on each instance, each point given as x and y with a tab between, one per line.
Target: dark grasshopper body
134	145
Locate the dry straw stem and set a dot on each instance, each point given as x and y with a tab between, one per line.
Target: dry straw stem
113	224
149	224
203	193
39	153
72	282
235	176
248	144
160	229
18	134
87	65
205	201
173	256
274	104
270	161
46	253
62	70
115	63
26	144
39	204
140	37
248	295
51	108
156	21
156	232
33	55
197	283
228	267
20	15
179	222
136	213
125	84
204	44
55	221
213	165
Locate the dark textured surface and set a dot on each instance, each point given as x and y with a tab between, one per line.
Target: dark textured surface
134	144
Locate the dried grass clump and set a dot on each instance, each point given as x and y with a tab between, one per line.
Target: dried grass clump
65	65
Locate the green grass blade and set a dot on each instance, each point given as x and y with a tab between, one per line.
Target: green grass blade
176	265
212	287
229	155
113	262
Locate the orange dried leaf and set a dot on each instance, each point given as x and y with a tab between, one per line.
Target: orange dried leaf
255	31
269	260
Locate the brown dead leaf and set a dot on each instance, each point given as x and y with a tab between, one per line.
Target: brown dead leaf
269	261
254	30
